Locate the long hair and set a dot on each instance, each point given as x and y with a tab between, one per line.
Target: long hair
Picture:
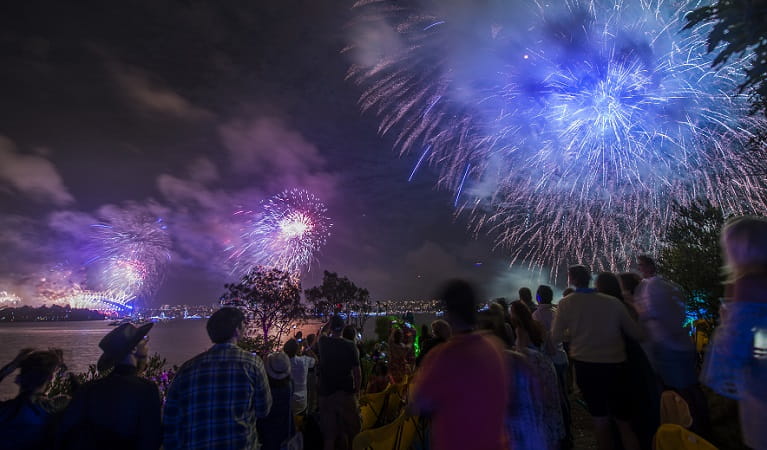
522	317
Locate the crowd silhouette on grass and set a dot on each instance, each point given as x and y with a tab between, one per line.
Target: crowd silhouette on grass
505	377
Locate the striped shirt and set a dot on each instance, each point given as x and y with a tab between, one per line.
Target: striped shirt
215	399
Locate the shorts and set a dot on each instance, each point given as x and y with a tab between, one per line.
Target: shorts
339	415
605	388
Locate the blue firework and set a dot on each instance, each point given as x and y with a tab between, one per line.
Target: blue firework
567	129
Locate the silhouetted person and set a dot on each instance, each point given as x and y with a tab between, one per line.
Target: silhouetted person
440	334
121	410
526	296
26	421
217	396
278	426
340	376
462	384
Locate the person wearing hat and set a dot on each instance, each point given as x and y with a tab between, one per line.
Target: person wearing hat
339	383
217	397
122	409
278	426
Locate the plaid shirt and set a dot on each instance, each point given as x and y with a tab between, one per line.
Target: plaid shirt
214	401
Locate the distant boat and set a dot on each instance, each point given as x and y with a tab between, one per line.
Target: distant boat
193	316
115	323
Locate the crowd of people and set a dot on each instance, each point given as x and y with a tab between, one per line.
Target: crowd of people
498	378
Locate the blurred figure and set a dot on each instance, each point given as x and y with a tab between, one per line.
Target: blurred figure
595	324
629	282
299	371
669	347
217	396
736	363
278	426
545	315
462	384
26	420
122	409
645	396
530	338
399	368
660	304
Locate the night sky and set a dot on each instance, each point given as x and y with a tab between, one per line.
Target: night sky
191	109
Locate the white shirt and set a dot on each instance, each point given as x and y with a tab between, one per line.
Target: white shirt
299	368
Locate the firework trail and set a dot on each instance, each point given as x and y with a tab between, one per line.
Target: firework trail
286	232
130	252
568	130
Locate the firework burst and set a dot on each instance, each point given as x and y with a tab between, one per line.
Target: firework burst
286	232
570	129
131	250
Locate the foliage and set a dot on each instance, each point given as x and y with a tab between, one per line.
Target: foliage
339	294
257	344
691	257
271	301
740	26
66	383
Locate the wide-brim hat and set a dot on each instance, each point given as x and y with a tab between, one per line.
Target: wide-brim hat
278	365
118	343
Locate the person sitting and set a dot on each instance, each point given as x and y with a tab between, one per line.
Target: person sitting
122	409
379	378
26	420
278	426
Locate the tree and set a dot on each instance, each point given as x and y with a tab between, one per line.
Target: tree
691	257
339	294
271	301
741	25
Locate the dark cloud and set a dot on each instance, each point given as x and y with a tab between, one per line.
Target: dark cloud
32	176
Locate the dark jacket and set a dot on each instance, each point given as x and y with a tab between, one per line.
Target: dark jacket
26	423
119	411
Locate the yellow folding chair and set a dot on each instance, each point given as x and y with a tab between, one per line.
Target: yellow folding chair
676	437
674	409
398	435
371	407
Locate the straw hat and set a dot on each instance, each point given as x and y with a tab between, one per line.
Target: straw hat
278	365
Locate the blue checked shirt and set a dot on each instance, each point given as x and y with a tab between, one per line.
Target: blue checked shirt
215	399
